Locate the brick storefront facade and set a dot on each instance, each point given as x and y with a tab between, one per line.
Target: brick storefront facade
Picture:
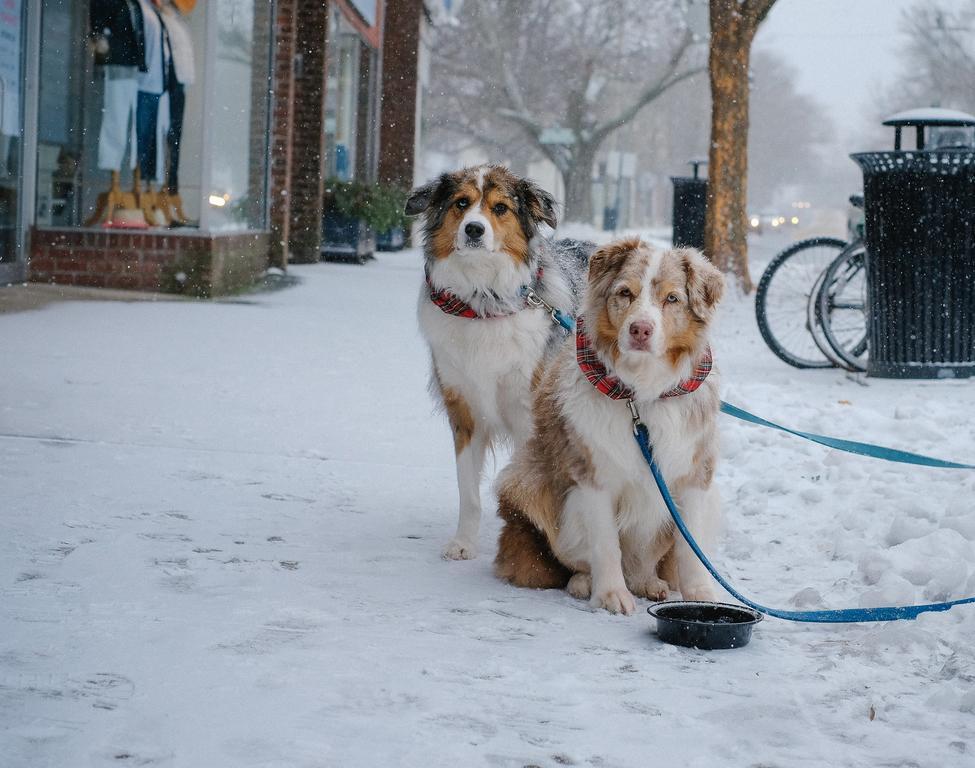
308	131
288	75
183	262
398	120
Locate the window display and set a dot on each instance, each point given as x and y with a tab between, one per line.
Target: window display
135	137
341	98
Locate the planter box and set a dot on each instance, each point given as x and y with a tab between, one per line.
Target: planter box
345	239
391	240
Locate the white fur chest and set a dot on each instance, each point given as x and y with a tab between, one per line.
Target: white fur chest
489	361
605	425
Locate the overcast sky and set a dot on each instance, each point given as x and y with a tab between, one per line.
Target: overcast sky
845	51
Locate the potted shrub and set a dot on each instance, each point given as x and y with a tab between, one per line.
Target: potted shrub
354	212
345	234
392	223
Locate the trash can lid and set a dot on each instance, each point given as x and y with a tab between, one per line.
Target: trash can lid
935	116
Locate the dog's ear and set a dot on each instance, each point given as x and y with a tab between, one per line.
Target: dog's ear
705	283
607	260
421	198
537	206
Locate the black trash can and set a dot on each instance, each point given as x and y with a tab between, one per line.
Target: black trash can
690	208
920	237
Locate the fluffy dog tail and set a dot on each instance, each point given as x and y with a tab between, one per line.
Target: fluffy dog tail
524	557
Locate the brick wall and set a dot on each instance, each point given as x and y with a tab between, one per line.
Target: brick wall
307	165
190	263
401	39
282	130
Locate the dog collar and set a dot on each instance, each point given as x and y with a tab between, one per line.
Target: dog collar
612	387
451	304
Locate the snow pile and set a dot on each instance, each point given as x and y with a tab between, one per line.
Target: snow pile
221	533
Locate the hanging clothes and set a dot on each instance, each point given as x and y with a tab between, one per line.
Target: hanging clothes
119	116
120	24
152	87
181	72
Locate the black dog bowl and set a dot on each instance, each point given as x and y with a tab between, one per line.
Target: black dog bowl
707	626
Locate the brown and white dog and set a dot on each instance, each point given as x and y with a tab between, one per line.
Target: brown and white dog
580	506
483	255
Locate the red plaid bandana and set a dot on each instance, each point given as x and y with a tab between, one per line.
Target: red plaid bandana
612	387
452	305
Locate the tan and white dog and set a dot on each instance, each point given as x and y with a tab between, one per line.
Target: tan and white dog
580	506
483	256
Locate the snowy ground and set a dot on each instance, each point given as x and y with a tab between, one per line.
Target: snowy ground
221	526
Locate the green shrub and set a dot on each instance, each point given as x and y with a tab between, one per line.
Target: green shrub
380	206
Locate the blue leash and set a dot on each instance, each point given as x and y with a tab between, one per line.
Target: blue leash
844	615
850	446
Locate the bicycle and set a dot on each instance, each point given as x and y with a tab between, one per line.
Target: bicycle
810	302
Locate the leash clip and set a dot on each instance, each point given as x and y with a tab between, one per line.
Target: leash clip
535	301
635	415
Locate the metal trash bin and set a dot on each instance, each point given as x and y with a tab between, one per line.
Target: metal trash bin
690	208
920	238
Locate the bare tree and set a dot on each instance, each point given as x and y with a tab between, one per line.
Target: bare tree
733	27
565	74
938	58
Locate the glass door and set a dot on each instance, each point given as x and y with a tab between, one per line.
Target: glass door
12	45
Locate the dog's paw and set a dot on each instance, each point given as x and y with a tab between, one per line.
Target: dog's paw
459	549
614	599
704	594
580	586
652	588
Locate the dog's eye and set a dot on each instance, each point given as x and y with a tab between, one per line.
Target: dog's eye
625	293
673	298
462	203
500	209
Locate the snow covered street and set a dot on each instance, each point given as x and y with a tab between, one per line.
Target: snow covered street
220	535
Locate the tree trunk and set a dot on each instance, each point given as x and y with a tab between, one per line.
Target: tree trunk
578	184
732	31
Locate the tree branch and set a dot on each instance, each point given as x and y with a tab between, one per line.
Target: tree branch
657	90
761	10
534	131
667	80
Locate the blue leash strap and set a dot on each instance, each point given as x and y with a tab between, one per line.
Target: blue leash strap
850	446
843	615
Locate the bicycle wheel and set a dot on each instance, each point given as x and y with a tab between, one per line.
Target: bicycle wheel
782	299
841	307
815	324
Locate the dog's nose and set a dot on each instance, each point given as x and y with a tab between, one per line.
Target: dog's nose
641	331
474	230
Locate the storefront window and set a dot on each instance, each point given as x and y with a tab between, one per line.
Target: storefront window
341	98
11	123
239	115
153	114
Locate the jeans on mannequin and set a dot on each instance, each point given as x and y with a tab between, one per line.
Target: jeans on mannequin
147	116
177	107
118	129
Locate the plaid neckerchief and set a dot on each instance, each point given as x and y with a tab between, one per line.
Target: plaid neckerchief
452	305
612	387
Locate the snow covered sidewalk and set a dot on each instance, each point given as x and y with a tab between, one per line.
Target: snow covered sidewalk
221	526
